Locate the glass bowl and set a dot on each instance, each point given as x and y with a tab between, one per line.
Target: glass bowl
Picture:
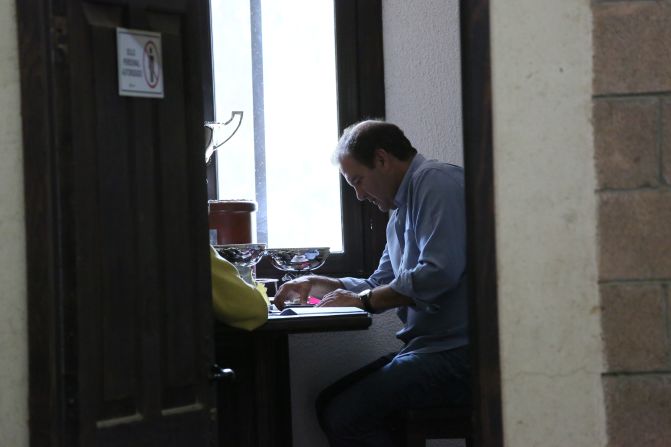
241	255
298	260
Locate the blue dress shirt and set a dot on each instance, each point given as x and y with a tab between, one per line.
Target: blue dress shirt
425	257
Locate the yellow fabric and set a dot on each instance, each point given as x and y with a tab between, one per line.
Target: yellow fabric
235	302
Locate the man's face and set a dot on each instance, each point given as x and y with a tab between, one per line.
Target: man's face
374	185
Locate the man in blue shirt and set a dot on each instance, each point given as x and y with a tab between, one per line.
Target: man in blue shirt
422	274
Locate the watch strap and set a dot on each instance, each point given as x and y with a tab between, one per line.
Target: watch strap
365	297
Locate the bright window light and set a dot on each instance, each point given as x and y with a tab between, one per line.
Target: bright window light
275	61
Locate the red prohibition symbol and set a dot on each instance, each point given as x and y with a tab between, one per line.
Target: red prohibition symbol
150	64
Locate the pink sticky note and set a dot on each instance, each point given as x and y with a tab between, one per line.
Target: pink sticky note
313	300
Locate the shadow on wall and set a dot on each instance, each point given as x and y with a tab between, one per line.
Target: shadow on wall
317	360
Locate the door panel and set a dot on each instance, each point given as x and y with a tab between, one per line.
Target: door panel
141	299
178	362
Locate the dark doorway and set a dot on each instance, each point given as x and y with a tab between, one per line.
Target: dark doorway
118	273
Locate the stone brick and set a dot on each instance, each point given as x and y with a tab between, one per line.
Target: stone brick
666	141
625	135
635	235
631	47
638	410
634	327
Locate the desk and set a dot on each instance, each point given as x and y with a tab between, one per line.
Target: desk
254	410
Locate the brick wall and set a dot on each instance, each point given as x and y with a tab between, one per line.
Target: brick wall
632	129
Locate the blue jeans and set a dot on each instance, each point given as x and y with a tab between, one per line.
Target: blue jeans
357	409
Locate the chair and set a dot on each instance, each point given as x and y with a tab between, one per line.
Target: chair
437	423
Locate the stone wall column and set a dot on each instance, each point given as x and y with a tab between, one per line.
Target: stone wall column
632	131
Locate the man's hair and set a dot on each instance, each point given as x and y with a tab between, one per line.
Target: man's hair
360	140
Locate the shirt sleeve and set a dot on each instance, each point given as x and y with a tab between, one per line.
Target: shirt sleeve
436	236
382	275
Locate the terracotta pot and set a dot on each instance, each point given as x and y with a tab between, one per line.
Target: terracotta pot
231	221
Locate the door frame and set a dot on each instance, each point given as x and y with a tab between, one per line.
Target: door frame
41	35
38	38
480	214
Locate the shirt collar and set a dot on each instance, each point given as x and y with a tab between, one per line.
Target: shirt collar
401	196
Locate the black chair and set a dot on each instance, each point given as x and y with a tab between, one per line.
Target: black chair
437	423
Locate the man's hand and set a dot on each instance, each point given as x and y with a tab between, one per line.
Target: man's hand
341	298
383	298
295	291
298	290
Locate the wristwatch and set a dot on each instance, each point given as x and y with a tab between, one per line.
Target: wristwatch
365	300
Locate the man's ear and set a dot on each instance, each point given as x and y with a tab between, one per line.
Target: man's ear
381	157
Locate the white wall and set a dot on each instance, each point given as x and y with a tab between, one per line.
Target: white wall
546	223
422	65
423	96
13	318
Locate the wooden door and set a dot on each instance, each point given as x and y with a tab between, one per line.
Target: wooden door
125	306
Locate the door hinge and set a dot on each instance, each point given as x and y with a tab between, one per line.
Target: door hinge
59	37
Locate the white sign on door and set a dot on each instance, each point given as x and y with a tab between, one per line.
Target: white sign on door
139	61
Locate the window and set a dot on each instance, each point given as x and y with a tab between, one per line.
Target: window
279	68
295	68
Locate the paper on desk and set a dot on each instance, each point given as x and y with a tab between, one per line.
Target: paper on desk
320	310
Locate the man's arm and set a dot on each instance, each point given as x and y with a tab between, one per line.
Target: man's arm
436	209
380	299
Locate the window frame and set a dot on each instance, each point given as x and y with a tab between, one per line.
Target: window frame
360	92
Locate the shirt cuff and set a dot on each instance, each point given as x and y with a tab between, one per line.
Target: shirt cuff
355	285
